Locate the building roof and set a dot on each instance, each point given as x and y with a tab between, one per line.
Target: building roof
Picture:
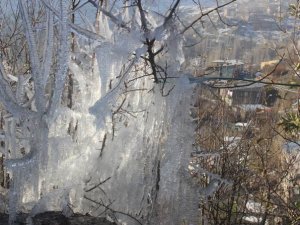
231	62
253	107
248	88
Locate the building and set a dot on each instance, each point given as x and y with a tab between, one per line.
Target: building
252	94
225	68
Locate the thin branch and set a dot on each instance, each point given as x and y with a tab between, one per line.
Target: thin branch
103	145
143	16
139	77
74	27
114	211
114	19
172	11
221	19
251	82
119	107
205	14
97	185
261	80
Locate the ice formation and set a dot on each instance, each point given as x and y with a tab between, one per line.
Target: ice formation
123	148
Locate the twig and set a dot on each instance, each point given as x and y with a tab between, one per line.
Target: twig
205	14
103	145
97	185
112	210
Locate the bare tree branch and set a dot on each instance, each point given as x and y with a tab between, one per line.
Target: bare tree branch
171	13
205	14
8	99
114	19
74	27
143	17
63	59
48	49
34	59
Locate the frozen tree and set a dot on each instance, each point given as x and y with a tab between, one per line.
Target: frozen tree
122	148
32	115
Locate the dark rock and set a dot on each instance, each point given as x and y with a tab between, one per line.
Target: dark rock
57	218
50	218
3	219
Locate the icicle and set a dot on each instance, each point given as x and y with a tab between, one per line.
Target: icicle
104	29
